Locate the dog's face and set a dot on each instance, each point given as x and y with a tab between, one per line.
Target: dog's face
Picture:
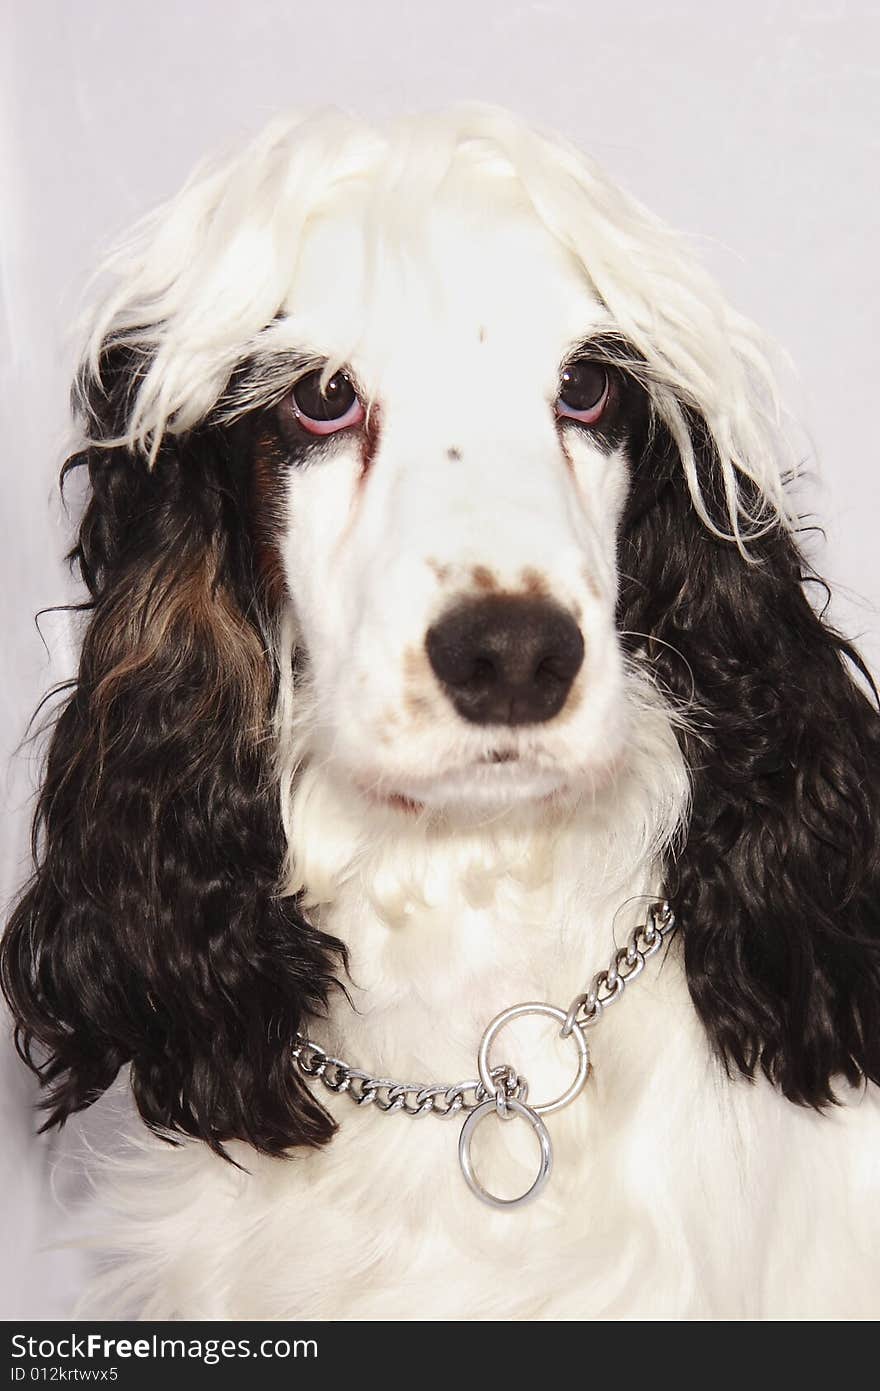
447	497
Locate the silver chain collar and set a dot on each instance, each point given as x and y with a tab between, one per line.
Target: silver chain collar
500	1090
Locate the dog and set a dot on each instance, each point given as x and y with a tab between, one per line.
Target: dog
448	638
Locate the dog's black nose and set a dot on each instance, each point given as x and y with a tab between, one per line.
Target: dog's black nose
506	660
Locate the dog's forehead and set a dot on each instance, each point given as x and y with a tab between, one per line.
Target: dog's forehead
441	284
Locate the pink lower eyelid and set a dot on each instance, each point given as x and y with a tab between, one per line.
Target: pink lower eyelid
353	416
585	417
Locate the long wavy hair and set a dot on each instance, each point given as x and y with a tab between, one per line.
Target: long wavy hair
155	933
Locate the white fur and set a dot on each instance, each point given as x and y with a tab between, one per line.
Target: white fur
451	264
676	1192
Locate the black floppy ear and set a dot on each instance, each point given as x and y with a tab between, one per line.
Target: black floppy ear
778	884
152	932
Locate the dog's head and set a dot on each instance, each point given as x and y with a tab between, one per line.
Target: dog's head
430	458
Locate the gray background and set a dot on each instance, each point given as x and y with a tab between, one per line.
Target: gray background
752	126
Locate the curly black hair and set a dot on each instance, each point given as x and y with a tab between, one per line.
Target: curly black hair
153	931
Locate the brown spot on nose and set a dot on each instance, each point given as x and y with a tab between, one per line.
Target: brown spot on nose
484	578
418	706
415	664
534	583
441	571
454	454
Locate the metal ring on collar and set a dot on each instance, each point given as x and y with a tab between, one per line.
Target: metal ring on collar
464	1153
552	1012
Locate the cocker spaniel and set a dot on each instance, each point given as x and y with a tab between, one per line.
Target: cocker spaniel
447	641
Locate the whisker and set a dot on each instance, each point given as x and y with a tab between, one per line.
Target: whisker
652	637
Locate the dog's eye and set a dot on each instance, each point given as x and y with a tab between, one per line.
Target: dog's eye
325	410
583	392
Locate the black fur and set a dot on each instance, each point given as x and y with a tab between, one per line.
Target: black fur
152	932
778	884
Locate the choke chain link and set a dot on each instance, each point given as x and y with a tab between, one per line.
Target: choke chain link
413	1098
627	962
440	1099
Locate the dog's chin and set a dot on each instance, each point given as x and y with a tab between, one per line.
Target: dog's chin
477	792
493	789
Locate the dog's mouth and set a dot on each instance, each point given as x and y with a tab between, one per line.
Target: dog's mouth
495	779
499	780
499	756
